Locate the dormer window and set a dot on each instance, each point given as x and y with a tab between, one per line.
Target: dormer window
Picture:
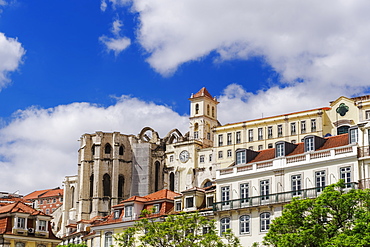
353	135
240	157
42	225
178	206
280	150
116	214
128	211
156	208
21	223
309	144
189	202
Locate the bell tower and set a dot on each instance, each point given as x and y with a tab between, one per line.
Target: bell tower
203	116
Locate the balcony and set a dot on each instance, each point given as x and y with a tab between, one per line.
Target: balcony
277	198
363	151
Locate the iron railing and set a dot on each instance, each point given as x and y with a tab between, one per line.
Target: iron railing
282	197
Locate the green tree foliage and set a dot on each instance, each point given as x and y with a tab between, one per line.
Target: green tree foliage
337	217
181	230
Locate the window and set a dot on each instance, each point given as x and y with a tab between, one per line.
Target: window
260	147
269	132
313	125
47	211
208	136
265	189
108	148
280	130
210	157
213	111
244	192
208	110
108	239
229	153
225	195
196	134
238	137
54	200
269	145
128	211
178	206
21	223
209	201
220	154
201	158
121	150
296	185
292	129
42	225
260	133
229	142
171	158
116	214
345	174
244	224
240	157
250	135
189	202
367	114
220	140
196	108
342	130
320	180
303	127
308	144
353	135
224	225
156	208
265	222
280	150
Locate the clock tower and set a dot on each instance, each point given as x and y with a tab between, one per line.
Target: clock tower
203	117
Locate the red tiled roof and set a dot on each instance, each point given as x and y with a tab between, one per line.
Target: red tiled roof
53	193
202	92
20	207
35	194
162	194
5	225
44	193
335	141
266	154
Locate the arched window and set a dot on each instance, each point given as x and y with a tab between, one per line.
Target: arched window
244	224
106	185
208	110
108	239
196	108
342	130
92	185
224	224
73	197
172	181
107	148
93	149
264	222
121	183
157	174
213	111
207	184
121	150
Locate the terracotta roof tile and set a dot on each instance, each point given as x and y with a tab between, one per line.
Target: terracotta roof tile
266	154
20	207
35	194
202	92
53	193
44	193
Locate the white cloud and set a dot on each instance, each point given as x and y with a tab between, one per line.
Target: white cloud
117	43
11	53
41	144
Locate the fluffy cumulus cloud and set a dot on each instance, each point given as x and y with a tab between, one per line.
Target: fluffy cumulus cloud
11	53
117	43
42	144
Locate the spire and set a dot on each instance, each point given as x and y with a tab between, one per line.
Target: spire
203	92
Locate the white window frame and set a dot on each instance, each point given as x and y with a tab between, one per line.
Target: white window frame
129	211
353	135
293	129
220	140
345	174
224	225
269	132
260	134
156	208
244	224
250	135
280	149
320	180
238	137
280	130
229	139
265	221
225	195
244	192
313	125
303	127
189	199
201	158
309	144
42	225
241	156
229	153
220	154
265	189
296	181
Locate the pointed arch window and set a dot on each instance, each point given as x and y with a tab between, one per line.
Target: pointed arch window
121	150
91	185
157	174
93	149
121	184
106	185
172	181
107	148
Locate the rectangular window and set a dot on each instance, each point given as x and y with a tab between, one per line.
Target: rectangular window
367	114
42	225
265	222
308	143
260	133
189	202
238	137
240	157
128	211
280	130
244	224
229	154
244	192
208	136
196	135
156	208
296	185
209	201
303	127
292	129
269	132
260	147
210	157
280	150
225	195
353	135
265	189
171	158
178	206
220	154
250	135
201	158
320	180
313	125
345	174
229	142
220	140
21	223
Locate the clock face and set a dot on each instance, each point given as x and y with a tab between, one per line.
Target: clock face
184	156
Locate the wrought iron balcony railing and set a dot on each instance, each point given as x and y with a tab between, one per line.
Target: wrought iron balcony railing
282	197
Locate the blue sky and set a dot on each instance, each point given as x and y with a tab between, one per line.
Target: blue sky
73	67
